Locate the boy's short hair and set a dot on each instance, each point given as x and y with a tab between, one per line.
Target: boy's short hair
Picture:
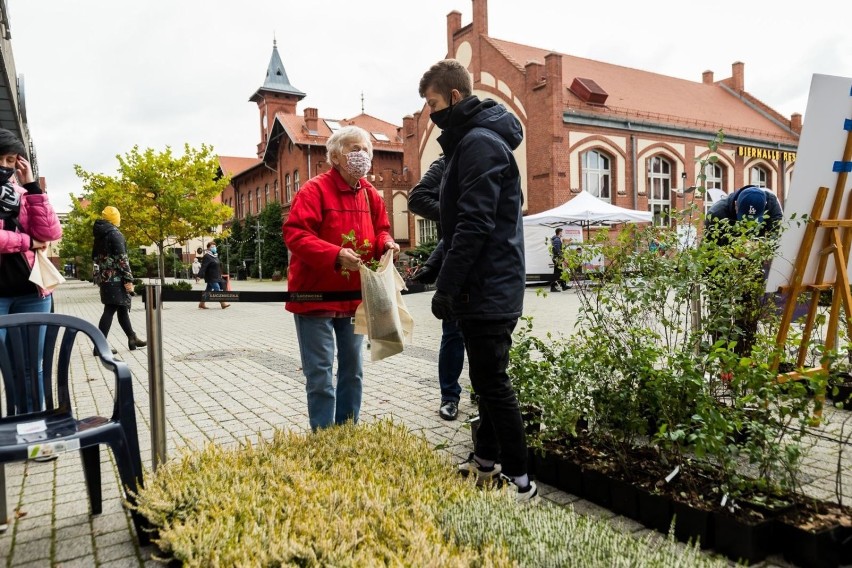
11	144
446	75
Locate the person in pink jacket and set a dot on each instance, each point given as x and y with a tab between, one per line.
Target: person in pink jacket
335	203
27	223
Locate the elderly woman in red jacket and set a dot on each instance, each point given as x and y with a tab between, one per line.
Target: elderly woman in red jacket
27	224
326	208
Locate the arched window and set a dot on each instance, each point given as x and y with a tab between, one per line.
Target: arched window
266	195
597	175
275	189
258	204
242	206
296	181
659	189
287	189
249	205
759	177
714	178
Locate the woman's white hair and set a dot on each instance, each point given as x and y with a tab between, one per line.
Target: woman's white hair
344	136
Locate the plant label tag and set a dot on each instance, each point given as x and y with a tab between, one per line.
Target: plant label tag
32	427
673	474
724	499
52	448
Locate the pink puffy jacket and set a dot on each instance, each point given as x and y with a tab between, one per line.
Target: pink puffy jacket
37	221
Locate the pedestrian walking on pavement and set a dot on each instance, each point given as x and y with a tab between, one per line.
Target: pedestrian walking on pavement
482	278
114	277
196	269
557	284
211	271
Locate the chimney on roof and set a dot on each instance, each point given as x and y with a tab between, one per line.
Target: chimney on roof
707	77
588	91
480	17
738	76
796	122
311	119
453	25
408	126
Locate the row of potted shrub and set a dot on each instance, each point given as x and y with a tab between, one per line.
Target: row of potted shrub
674	356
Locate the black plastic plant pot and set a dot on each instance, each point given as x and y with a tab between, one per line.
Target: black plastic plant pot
545	468
569	476
745	541
825	548
655	510
596	487
624	497
693	524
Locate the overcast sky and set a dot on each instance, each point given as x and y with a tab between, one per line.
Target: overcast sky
104	75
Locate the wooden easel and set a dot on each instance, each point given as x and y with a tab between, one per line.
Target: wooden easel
836	244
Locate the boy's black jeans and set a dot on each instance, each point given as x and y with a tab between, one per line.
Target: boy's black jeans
501	432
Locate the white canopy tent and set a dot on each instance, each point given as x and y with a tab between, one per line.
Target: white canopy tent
585	210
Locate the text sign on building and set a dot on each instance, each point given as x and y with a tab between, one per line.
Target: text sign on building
765	153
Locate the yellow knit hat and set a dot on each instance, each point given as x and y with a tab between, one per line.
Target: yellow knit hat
112	215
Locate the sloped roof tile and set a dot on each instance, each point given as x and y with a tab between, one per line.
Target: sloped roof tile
644	95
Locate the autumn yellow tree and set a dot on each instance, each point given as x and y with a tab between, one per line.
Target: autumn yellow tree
164	199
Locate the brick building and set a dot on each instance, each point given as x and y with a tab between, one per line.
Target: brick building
628	136
292	150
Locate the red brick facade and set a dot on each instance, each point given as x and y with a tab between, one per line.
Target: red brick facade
630	117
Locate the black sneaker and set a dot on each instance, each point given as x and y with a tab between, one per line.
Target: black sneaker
483	475
555	289
449	410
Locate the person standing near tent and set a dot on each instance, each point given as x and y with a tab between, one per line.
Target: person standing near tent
557	284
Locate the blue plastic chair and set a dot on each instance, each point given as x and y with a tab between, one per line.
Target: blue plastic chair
37	419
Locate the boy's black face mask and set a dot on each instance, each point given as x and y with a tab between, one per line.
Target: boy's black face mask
5	174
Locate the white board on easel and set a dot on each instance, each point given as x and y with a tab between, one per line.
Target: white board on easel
821	146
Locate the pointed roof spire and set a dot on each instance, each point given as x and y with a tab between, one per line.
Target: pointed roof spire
276	77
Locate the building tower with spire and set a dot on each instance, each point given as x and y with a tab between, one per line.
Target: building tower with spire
276	95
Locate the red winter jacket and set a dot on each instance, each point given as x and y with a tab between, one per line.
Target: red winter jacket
323	210
37	221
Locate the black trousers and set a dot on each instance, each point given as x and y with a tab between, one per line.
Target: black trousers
557	274
123	319
501	428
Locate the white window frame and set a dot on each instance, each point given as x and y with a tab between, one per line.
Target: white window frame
427	230
660	190
597	175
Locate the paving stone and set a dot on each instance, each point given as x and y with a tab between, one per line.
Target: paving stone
253	384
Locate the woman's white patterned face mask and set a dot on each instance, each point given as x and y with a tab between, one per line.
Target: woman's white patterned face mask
358	163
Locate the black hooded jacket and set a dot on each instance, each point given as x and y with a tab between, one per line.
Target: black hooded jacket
109	252
481	217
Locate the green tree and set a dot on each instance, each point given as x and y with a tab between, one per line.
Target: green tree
163	199
230	247
273	252
248	246
77	239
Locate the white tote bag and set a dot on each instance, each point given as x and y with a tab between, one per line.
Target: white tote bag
44	274
382	315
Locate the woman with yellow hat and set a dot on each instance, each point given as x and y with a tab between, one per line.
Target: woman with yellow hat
109	253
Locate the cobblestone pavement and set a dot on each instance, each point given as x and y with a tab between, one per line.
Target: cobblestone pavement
235	373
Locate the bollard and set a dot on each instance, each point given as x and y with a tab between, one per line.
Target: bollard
155	374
